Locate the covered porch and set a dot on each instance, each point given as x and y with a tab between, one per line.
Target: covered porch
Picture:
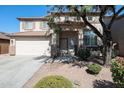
68	42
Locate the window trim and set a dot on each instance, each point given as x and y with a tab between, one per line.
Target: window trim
95	38
57	19
41	25
88	18
66	18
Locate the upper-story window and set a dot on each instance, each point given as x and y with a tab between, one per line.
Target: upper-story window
78	18
66	18
57	19
43	24
75	19
28	25
90	18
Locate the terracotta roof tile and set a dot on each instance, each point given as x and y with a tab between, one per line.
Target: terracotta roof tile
32	18
31	33
2	36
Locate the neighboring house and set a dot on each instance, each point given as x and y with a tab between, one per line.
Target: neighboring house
4	43
36	38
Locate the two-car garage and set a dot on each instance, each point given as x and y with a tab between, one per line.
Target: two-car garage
31	45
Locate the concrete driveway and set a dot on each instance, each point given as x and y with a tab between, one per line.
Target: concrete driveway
15	71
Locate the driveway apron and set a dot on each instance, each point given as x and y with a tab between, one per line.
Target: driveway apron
15	71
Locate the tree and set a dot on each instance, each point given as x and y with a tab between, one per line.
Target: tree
104	10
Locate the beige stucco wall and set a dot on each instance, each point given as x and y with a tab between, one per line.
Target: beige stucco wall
12	50
94	21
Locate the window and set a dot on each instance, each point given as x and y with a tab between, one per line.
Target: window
57	19
90	39
78	18
75	19
90	18
66	18
28	25
71	43
43	25
12	42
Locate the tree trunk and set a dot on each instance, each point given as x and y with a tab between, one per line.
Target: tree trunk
107	53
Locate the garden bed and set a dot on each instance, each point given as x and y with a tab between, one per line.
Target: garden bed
79	77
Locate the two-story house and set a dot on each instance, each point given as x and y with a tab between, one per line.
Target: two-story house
37	38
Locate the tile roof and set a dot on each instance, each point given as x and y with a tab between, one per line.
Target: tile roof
31	33
72	14
32	18
3	36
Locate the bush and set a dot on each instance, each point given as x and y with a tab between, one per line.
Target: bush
94	68
84	53
54	82
117	70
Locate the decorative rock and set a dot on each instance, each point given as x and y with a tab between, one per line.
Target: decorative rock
76	83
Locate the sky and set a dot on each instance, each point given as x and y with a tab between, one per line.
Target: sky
9	13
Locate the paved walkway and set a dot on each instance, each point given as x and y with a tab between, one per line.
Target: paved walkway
15	71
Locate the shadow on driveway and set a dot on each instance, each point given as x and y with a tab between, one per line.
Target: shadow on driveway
44	58
103	84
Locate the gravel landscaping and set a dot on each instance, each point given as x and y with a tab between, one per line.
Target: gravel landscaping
79	76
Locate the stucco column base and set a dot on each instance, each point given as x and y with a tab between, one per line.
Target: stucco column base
12	50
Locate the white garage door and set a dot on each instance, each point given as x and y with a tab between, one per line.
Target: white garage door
32	47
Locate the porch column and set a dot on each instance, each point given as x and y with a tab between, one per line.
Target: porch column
12	50
80	38
55	44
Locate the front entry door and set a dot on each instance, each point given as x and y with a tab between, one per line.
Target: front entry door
68	42
67	45
63	43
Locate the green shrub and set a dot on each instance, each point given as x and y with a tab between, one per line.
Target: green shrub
117	70
94	68
54	82
83	53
